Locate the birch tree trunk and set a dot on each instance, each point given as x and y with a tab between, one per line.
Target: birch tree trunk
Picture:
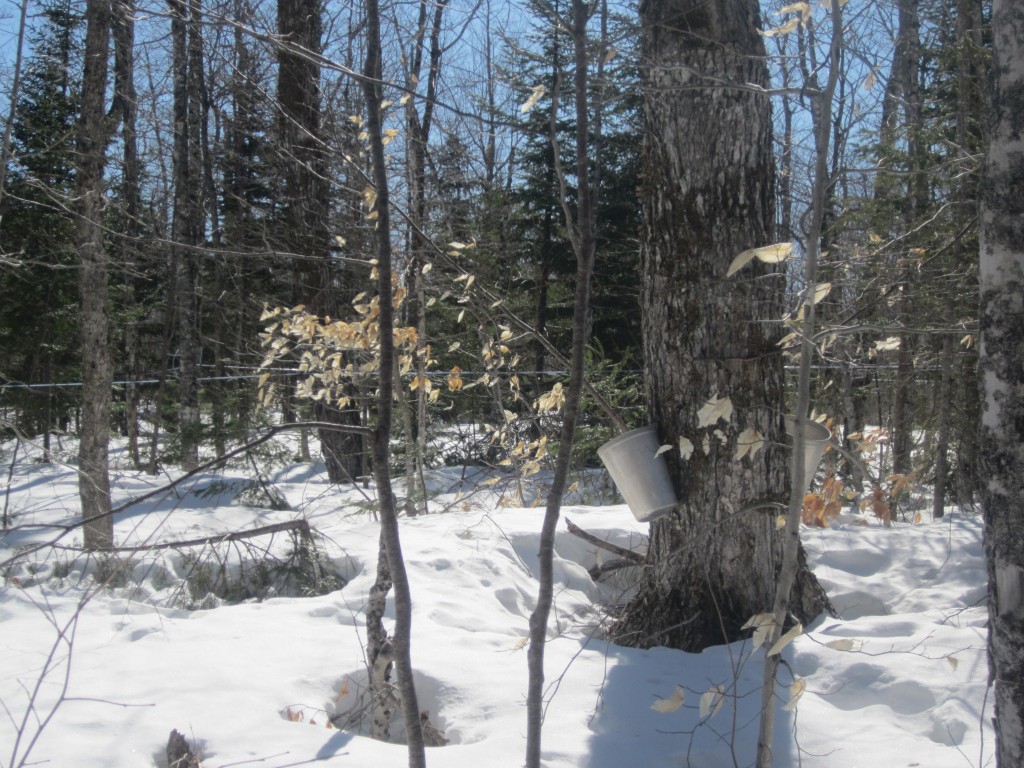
93	478
708	195
1002	371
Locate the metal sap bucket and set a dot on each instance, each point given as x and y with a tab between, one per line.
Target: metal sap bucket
640	474
816	439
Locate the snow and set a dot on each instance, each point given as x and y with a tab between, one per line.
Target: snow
899	679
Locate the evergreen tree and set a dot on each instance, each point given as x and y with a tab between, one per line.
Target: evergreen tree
39	298
541	250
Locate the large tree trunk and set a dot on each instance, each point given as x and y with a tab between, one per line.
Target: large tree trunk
708	195
306	202
94	479
1002	371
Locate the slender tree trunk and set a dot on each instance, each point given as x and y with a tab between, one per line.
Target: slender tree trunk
373	95
822	100
1002	369
418	127
583	236
902	407
125	108
708	195
943	409
12	102
97	375
908	44
970	137
186	224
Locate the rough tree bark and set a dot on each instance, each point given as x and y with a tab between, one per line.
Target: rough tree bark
708	195
903	94
1002	374
187	217
97	373
306	202
125	109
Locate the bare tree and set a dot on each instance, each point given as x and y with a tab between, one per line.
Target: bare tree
582	234
12	101
373	94
822	96
187	227
97	375
125	109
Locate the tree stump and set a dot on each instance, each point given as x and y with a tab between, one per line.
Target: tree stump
179	754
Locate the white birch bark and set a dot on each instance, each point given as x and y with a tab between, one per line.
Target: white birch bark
1002	372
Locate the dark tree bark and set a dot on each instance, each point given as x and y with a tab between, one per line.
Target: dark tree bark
944	406
179	753
125	109
97	373
418	125
972	77
306	202
12	102
903	94
373	95
708	195
582	233
187	231
1002	371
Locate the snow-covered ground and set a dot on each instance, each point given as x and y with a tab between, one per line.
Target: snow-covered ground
899	680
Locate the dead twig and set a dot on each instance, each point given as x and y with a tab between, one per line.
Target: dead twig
635	558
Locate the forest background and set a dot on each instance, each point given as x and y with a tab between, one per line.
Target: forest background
196	247
203	234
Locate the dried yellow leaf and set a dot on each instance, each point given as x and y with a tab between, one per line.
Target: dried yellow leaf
535	96
783	29
749	443
845	644
685	448
672	703
796	690
821	290
786	639
714	408
712	701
